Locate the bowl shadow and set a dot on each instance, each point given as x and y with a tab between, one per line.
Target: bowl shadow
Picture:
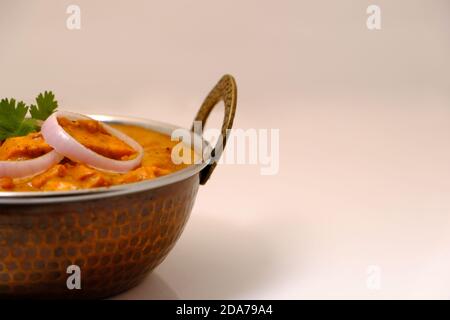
153	287
217	260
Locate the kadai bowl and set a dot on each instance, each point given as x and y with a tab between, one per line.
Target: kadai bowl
89	205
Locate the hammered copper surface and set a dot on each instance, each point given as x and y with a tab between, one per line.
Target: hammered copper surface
115	241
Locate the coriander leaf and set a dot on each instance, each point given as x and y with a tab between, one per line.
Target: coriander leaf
46	105
12	119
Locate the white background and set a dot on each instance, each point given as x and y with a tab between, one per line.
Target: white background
364	119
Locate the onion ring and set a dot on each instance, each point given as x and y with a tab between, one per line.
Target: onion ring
65	144
29	168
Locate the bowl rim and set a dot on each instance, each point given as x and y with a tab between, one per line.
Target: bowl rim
36	197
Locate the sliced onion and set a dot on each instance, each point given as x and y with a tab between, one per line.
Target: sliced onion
28	168
65	144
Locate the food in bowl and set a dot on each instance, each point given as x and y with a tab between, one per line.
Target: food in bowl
114	236
71	152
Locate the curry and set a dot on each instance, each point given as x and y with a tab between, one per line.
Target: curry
70	175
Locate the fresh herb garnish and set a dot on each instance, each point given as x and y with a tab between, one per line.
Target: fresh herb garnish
13	121
46	105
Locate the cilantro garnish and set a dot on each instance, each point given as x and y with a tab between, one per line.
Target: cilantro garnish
46	105
13	120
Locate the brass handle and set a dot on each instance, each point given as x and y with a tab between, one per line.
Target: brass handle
225	90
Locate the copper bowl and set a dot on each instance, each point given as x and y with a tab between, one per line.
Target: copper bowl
115	236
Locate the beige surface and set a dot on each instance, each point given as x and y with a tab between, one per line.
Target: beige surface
364	119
